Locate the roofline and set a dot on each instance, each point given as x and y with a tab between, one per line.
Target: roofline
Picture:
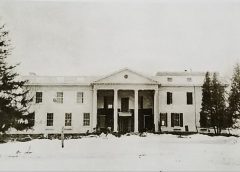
118	71
57	84
180	74
102	83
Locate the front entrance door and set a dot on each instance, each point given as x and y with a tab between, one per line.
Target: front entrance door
125	124
102	121
147	122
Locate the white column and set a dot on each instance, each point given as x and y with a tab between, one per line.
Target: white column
115	109
155	105
136	111
94	115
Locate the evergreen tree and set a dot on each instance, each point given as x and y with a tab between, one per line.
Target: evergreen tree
206	102
234	97
213	111
14	103
218	112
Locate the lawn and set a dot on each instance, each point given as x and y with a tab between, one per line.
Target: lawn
153	152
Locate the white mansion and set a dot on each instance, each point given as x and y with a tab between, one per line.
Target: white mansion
124	101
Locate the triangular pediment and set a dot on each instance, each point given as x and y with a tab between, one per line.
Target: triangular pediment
125	76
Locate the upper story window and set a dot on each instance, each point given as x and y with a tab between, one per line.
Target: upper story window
59	97
68	119
79	97
189	98
86	119
189	79
49	119
169	79
38	97
169	98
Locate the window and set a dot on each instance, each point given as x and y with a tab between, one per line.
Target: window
125	104
169	98
79	97
163	119
86	119
108	102
189	79
32	119
169	79
59	97
68	119
189	98
176	119
38	97
49	119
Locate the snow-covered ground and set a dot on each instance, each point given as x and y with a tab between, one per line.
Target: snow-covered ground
154	152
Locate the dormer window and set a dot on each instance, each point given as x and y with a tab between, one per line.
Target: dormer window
169	79
189	79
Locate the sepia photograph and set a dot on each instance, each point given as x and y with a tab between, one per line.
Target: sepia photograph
120	85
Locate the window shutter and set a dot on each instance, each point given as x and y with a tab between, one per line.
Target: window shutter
168	98
160	119
172	119
189	98
166	120
181	119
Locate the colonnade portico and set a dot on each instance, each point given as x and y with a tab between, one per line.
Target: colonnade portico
116	110
116	90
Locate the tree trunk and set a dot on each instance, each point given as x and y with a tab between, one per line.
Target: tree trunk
1	137
214	130
229	131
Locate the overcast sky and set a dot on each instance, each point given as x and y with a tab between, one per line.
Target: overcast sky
99	37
